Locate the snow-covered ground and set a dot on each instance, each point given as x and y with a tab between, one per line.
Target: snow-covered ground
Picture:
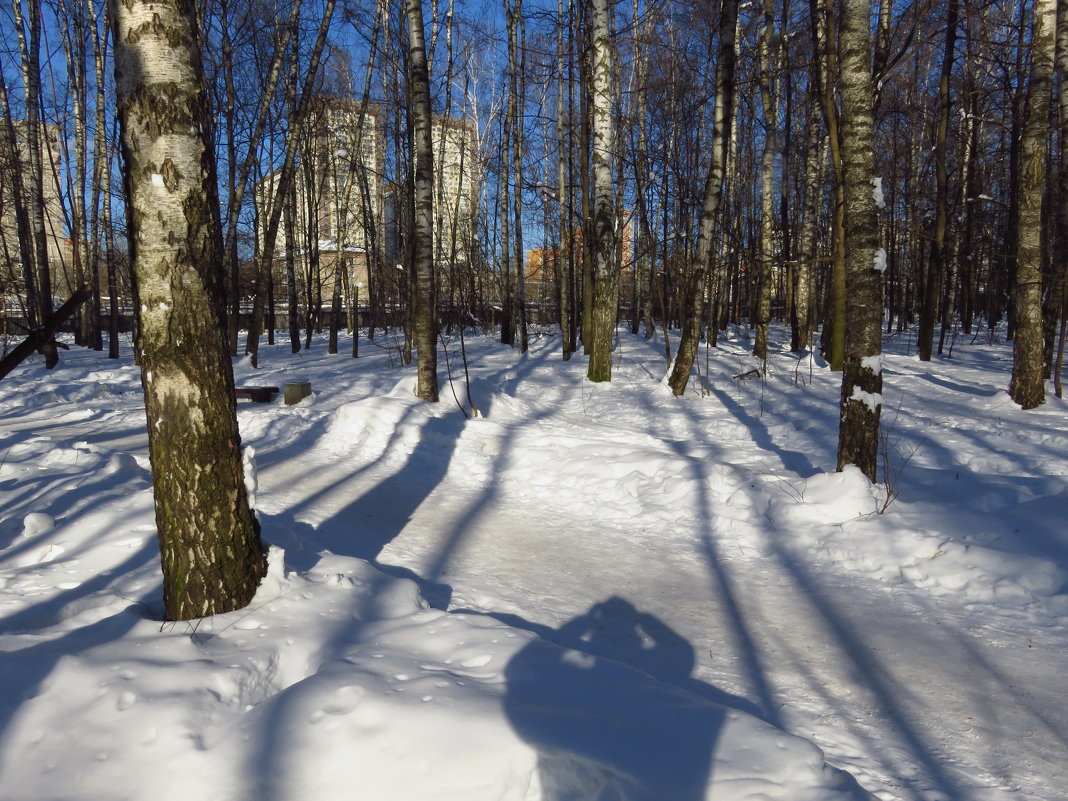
590	592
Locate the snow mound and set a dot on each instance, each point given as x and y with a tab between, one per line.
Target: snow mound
828	499
835	514
983	575
944	567
37	523
367	424
405	388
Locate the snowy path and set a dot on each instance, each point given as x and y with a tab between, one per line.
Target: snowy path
888	681
890	687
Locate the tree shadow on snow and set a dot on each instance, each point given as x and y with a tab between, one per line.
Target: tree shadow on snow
792	461
608	702
723	585
889	695
381	514
361	528
27	669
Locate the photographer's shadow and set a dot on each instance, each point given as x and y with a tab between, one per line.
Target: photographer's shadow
608	702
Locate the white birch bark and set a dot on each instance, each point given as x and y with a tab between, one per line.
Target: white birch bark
210	548
602	325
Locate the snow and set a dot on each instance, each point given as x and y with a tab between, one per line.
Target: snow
873	363
880	260
248	467
877	192
595	591
873	400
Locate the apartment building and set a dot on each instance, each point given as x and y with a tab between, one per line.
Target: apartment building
540	272
12	248
337	193
455	153
347	211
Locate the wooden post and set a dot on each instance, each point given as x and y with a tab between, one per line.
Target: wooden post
296	391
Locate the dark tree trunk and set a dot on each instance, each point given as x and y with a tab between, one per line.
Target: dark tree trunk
862	378
425	306
1027	387
680	373
936	267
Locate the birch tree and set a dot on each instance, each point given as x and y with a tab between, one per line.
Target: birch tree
768	50
564	240
680	372
1027	386
825	73
424	297
282	188
1060	267
862	379
210	547
28	30
803	312
100	225
599	329
937	263
516	98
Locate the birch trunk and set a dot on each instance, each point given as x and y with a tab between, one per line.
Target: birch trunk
862	378
769	102
100	226
680	372
1027	387
1060	267
937	264
804	313
210	548
602	323
517	59
826	73
29	39
266	261
425	318
564	241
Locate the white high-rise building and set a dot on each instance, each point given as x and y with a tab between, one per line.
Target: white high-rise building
346	210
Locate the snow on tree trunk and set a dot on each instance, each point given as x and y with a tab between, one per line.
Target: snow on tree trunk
862	380
210	548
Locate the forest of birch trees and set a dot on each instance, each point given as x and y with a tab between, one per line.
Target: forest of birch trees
201	175
672	166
